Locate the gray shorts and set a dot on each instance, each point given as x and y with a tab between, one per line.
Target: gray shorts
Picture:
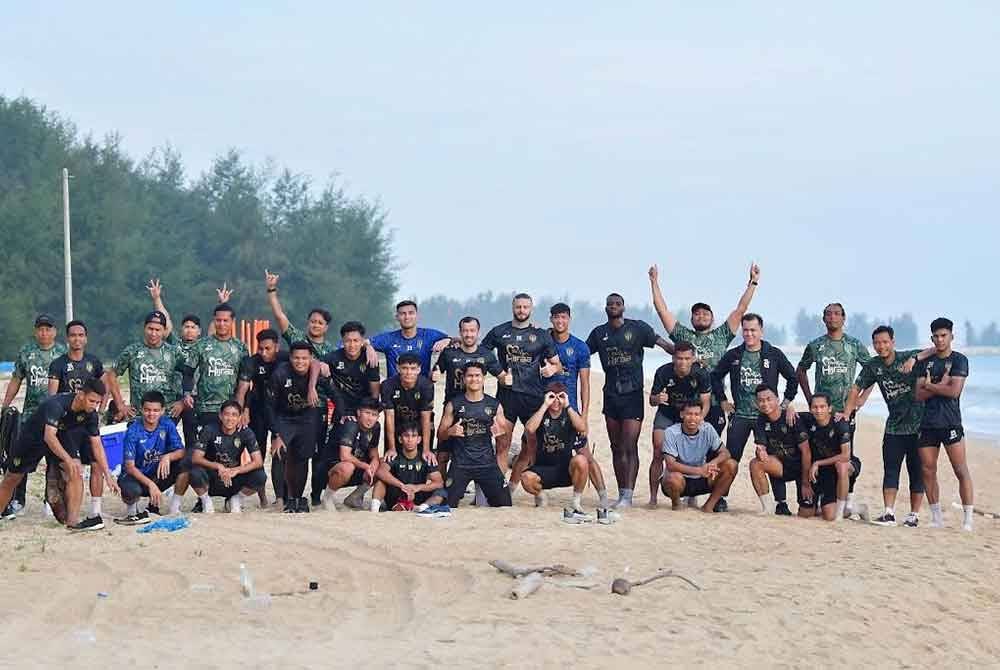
661	421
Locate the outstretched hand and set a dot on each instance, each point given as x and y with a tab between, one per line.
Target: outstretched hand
270	280
224	293
155	289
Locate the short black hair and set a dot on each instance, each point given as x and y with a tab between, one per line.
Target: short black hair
556	387
370	403
560	308
224	307
884	329
824	396
193	318
94	385
300	345
322	312
688	404
230	403
836	304
405	303
701	305
764	387
753	316
76	322
353	327
154	396
267	334
522	296
941	322
409	427
408	359
616	295
683	346
473	364
469	319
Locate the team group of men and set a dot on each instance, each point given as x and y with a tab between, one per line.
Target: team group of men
322	406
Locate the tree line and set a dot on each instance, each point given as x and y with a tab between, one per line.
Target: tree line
133	220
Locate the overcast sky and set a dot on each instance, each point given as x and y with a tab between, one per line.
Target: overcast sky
852	150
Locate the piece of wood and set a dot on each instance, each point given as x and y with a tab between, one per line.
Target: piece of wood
623	587
526	585
546	570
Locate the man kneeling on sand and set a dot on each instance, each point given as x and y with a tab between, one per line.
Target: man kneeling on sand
409	482
357	445
697	462
834	468
216	467
562	457
782	452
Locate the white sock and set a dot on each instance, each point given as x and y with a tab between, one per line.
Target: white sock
850	501
936	515
481	497
577	500
175	504
839	515
132	508
602	498
766	503
422	506
967	523
328	503
625	495
206	504
236	503
376	505
890	510
95	506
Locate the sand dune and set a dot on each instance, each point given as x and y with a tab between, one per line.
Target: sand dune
396	590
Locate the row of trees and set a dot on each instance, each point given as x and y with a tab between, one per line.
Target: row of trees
133	220
989	336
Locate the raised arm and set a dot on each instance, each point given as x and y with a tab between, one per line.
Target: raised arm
667	317
271	282
536	419
733	320
156	293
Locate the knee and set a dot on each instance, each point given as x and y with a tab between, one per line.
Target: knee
579	462
256	478
531	482
673	483
199	477
342	469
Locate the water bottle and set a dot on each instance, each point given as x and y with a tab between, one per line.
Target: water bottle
246	582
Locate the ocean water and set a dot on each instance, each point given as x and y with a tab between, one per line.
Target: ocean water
980	397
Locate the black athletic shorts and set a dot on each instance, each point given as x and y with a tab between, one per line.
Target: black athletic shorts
894	449
791	471
740	430
27	454
625	406
696	486
393	495
489	478
937	437
825	488
133	489
518	406
201	478
553	476
443	446
298	435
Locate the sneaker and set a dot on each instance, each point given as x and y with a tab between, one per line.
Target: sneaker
936	524
198	507
607	517
317	500
781	509
541	500
291	505
911	520
435	512
721	506
153	509
885	520
303	506
90	523
356	498
137	519
622	504
572	516
9	513
16	506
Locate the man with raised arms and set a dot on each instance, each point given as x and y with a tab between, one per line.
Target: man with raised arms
620	343
940	380
471	421
675	384
893	372
562	457
697	462
753	363
216	467
783	453
710	343
408	339
528	357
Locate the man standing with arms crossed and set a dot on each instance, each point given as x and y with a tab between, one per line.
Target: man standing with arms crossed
709	343
620	343
32	366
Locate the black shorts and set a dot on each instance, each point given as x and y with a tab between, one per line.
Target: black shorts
200	478
443	446
518	406
27	454
663	420
394	495
133	489
553	476
740	430
937	437
488	477
791	471
696	486
825	488
298	434
624	407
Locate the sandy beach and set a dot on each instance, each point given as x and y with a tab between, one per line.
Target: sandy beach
400	591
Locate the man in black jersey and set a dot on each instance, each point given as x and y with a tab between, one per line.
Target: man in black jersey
674	385
57	430
940	380
783	452
217	469
528	356
620	343
471	421
451	363
408	397
833	465
358	458
562	457
253	391
409	480
293	421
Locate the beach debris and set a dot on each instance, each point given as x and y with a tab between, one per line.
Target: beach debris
623	586
246	582
527	580
167	524
545	570
979	511
102	594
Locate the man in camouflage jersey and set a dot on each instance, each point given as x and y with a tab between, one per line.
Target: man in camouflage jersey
709	343
837	356
894	373
216	360
32	366
151	365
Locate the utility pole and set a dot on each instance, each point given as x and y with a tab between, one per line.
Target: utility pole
67	262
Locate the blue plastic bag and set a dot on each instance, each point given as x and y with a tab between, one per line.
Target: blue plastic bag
167	524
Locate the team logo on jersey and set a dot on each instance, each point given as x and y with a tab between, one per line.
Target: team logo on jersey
569	351
395	395
767	426
532	337
628	335
80	418
546	422
767	363
488	411
163	434
670	382
236	443
812	429
288	383
218	440
416	396
518	338
340	365
262	370
89	367
831	433
461	409
69	367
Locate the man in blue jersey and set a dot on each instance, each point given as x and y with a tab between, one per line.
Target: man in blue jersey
409	339
575	358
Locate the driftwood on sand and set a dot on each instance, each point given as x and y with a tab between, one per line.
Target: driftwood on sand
527	580
623	587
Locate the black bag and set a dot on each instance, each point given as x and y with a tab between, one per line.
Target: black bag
10	428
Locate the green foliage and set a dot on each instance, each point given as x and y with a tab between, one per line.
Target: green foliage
133	221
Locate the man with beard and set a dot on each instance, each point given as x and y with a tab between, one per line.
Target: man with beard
620	343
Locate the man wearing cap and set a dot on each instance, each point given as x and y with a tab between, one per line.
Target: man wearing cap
32	366
151	364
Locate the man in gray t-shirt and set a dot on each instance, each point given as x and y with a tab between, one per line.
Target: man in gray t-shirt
697	462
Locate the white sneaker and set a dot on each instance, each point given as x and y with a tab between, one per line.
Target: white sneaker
207	506
328	504
235	504
935	524
356	498
967	527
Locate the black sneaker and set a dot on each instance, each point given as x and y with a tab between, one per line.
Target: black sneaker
303	506
885	520
90	523
291	505
9	513
137	519
911	520
198	507
781	509
153	509
721	506
316	500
